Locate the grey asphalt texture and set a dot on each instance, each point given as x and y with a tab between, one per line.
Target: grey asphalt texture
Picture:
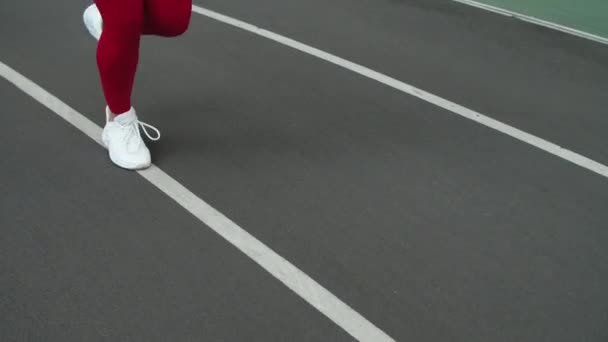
431	226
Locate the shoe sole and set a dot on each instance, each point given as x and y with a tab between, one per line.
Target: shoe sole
91	27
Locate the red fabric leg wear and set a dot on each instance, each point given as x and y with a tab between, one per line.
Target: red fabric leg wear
124	22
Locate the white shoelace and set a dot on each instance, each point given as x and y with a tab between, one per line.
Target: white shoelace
144	127
134	131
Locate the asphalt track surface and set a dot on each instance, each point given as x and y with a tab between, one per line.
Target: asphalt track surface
431	226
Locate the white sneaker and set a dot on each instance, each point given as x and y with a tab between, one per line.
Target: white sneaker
93	21
122	139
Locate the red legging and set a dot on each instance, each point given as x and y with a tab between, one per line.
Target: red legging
124	21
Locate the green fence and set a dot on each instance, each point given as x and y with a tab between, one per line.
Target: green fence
590	16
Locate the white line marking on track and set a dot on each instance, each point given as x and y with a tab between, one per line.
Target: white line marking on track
292	277
518	134
535	20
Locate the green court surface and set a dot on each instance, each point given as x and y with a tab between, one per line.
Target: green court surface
590	16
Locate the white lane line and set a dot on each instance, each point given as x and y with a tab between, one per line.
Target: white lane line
518	134
535	20
292	277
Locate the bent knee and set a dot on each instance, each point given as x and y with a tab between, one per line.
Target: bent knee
176	26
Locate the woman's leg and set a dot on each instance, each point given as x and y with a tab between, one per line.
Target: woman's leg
118	50
124	21
167	18
117	58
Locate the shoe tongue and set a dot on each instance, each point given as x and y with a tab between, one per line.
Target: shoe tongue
126	118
